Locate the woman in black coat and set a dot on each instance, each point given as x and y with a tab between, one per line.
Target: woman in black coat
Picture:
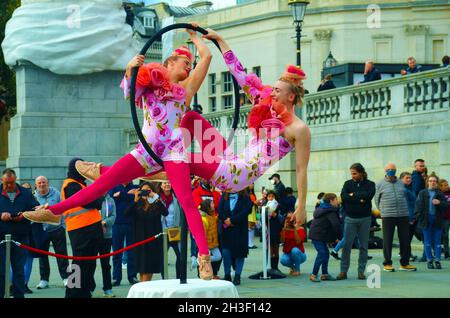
146	212
430	220
234	209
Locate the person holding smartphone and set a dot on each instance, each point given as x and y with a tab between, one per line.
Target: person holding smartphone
146	212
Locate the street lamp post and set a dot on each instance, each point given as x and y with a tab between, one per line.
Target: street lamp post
298	8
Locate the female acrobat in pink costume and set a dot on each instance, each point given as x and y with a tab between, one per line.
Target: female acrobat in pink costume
164	93
275	127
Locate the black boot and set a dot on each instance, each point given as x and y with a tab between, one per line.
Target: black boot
237	279
215	266
274	263
27	290
227	277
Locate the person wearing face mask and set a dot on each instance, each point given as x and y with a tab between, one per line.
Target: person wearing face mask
146	212
391	200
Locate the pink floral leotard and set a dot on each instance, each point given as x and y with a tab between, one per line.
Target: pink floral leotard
236	172
164	106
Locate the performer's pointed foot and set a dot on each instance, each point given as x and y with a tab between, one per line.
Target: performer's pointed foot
89	170
42	215
205	268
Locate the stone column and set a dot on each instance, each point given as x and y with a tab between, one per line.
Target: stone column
323	37
64	116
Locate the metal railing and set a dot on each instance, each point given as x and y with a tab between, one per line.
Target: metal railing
424	91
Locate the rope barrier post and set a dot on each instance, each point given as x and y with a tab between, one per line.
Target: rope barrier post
183	267
264	240
7	263
165	256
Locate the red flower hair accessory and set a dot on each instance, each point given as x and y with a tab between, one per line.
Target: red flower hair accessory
183	51
293	74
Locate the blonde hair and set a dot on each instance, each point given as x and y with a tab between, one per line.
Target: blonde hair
297	90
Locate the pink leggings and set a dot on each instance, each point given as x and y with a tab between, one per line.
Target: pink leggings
177	172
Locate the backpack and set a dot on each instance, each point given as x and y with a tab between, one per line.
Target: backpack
375	242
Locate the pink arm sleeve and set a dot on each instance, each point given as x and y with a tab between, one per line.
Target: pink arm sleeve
250	83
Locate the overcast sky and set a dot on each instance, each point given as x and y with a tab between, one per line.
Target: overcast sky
217	4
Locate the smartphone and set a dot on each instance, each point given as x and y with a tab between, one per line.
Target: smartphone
145	193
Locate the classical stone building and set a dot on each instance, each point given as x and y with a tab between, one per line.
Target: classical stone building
397	119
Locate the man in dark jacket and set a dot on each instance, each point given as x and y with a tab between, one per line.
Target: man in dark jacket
412	68
13	200
123	233
370	73
356	194
405	177
280	191
326	84
418	182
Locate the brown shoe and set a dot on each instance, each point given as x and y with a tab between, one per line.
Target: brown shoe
205	268
341	276
327	277
42	215
89	170
157	177
361	275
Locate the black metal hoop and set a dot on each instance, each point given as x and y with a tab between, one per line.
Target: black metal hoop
133	89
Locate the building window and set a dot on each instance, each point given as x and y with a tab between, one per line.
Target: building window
227	101
212	104
148	22
227	82
257	71
212	84
438	50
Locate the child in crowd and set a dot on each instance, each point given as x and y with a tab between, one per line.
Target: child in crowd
325	228
293	251
276	223
210	221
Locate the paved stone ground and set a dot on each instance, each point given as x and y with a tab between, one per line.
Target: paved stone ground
420	284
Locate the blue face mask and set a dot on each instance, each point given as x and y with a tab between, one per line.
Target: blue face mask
391	172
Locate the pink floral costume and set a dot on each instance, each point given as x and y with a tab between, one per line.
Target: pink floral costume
164	107
230	172
236	172
163	110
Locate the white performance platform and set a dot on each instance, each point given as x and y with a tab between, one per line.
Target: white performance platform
195	288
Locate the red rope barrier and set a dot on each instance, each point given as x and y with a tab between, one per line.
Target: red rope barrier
87	258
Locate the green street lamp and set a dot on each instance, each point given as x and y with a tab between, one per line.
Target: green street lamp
298	8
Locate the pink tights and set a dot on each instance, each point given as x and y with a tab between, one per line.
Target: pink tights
178	174
128	168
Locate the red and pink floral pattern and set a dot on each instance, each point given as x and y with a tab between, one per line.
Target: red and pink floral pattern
267	120
164	105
